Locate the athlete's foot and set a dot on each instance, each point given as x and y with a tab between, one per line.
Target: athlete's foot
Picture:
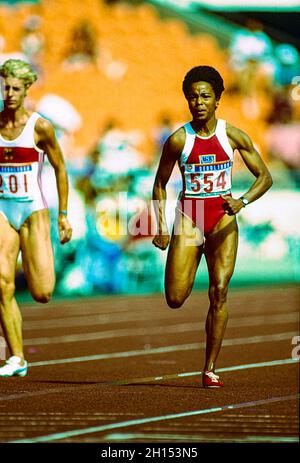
210	380
14	366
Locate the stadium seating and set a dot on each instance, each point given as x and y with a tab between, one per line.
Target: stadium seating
151	56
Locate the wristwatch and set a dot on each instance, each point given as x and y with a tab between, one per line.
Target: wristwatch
244	201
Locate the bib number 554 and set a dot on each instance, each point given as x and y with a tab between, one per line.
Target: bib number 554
208	184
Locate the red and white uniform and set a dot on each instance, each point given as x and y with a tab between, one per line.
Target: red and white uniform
206	168
21	163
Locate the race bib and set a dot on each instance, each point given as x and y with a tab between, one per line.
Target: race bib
202	181
17	182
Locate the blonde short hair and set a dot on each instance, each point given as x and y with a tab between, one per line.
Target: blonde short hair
18	69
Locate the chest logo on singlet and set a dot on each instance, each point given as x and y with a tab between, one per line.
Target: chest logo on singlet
207	159
8	154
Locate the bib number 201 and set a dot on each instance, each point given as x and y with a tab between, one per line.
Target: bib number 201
12	184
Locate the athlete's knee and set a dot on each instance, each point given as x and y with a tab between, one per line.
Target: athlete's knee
174	303
7	288
43	293
42	296
218	294
175	300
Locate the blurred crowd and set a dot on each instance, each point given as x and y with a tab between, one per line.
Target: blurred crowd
111	184
261	66
112	215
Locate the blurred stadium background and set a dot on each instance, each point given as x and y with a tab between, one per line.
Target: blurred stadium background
110	75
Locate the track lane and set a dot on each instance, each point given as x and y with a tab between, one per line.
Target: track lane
112	385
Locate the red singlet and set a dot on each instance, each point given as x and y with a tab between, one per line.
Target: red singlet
205	164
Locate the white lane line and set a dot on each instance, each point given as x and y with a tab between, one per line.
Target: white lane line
163	350
104	319
122	332
121	437
270	363
114	304
114	301
127	382
91	320
125	424
69	309
247	366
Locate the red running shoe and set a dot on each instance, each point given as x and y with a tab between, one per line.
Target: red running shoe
211	380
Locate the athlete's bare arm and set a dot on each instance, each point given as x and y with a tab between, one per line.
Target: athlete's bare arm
170	155
46	140
240	140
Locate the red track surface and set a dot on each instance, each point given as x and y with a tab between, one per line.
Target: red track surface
143	339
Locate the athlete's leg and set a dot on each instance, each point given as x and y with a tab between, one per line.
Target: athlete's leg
10	315
220	253
185	250
37	255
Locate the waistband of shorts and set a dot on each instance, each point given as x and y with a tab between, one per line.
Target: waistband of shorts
181	197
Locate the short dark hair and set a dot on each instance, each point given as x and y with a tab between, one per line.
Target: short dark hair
206	74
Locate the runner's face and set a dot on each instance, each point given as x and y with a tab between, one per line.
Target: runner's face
13	92
202	101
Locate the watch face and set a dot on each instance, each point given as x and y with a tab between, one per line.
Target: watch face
245	201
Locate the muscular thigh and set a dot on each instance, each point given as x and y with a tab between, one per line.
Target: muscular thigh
184	255
9	250
37	254
221	249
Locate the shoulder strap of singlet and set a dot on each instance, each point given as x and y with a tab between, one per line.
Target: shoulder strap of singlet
30	124
222	137
190	135
27	137
189	129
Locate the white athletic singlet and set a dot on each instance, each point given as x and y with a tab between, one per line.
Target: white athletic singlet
21	163
206	163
